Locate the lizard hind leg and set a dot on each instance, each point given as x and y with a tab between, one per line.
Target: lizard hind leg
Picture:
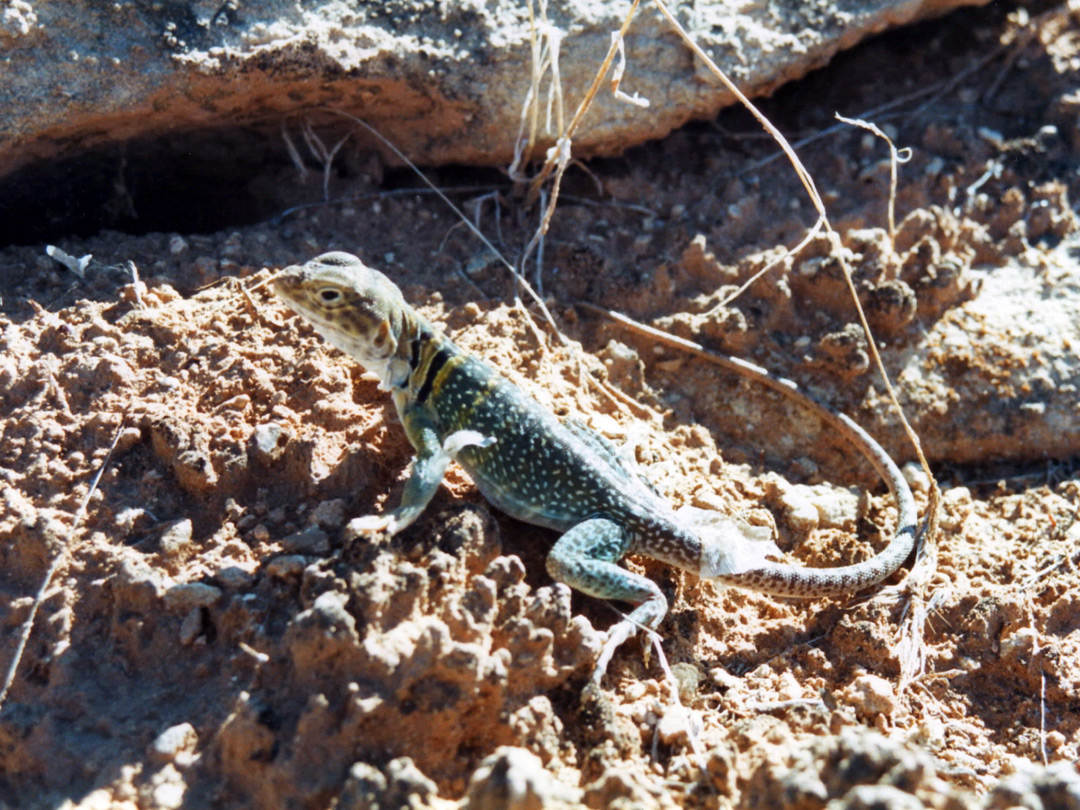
586	558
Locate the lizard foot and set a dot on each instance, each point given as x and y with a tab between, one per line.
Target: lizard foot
617	635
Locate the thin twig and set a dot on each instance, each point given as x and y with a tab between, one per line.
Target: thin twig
60	557
934	91
895	157
476	231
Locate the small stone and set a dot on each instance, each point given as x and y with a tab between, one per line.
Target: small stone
191	627
677	725
916	477
169	795
9	373
128	520
309	541
689	678
267	442
330	608
286	566
329	514
195	472
115	371
515	779
174	742
241	402
1021	646
137	586
802	515
175	541
724	679
812	507
188	595
871	695
234	578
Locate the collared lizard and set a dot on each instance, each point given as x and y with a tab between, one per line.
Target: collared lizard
557	474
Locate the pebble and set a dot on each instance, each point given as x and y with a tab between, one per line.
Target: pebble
286	566
515	779
266	442
173	742
871	695
188	595
176	539
234	578
191	627
309	541
329	514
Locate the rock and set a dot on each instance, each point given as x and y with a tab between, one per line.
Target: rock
998	378
182	598
801	512
267	443
871	695
234	578
677	725
136	586
444	82
329	514
191	626
174	743
812	507
286	566
309	541
175	542
515	779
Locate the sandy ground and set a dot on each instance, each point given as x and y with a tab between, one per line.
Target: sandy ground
213	637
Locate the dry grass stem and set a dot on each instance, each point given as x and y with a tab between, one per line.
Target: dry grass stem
476	231
895	156
54	566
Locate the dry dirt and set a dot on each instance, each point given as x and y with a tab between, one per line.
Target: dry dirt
212	637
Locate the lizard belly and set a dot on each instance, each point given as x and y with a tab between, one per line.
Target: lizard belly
536	470
541	482
526	509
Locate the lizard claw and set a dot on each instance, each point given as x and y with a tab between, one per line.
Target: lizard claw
616	636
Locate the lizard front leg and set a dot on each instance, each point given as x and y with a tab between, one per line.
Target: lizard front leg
586	558
428	468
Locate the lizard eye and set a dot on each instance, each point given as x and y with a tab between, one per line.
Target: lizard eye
329	295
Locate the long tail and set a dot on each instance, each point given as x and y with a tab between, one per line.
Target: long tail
790	580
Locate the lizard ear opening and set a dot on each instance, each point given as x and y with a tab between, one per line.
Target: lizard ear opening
382	335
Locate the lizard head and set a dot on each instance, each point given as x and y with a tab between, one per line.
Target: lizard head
355	308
